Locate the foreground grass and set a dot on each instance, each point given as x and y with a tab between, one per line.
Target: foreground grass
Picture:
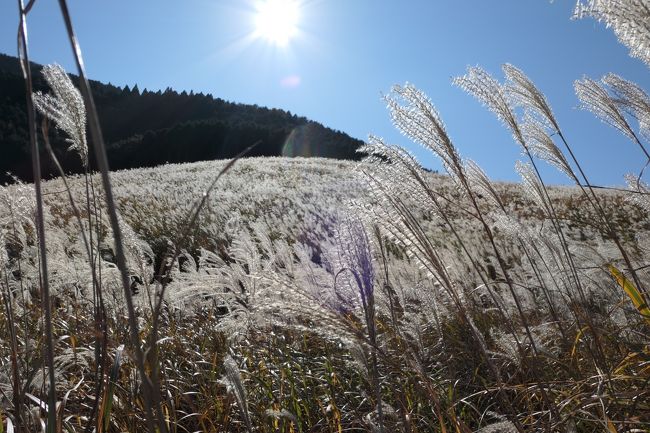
306	377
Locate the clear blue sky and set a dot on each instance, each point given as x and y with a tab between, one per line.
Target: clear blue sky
346	53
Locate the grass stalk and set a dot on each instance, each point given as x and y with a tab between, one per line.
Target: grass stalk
150	390
98	308
15	371
40	223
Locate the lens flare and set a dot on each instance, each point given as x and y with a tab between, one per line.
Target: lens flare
300	142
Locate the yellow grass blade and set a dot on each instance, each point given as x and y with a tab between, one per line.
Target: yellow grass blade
574	349
610	426
635	295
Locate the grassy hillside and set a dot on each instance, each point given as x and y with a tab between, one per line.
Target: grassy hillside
254	287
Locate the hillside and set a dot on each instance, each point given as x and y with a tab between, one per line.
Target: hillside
299	200
144	128
255	279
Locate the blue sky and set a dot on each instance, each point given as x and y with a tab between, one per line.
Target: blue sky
346	54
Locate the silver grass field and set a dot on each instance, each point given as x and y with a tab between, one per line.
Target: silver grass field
314	295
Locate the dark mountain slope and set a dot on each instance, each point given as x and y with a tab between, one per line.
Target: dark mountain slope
145	128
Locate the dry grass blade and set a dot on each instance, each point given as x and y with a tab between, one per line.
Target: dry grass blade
107	403
61	406
36	170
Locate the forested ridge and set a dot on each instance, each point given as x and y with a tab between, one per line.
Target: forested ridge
144	128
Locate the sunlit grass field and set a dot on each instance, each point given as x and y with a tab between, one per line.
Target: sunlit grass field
255	283
314	295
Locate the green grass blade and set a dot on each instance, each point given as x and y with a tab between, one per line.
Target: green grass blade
115	370
635	295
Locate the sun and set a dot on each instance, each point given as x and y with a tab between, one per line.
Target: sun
277	20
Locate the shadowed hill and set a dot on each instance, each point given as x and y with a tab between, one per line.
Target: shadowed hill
144	128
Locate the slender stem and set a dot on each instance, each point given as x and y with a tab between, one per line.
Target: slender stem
40	222
150	391
597	205
15	372
443	278
613	188
100	348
